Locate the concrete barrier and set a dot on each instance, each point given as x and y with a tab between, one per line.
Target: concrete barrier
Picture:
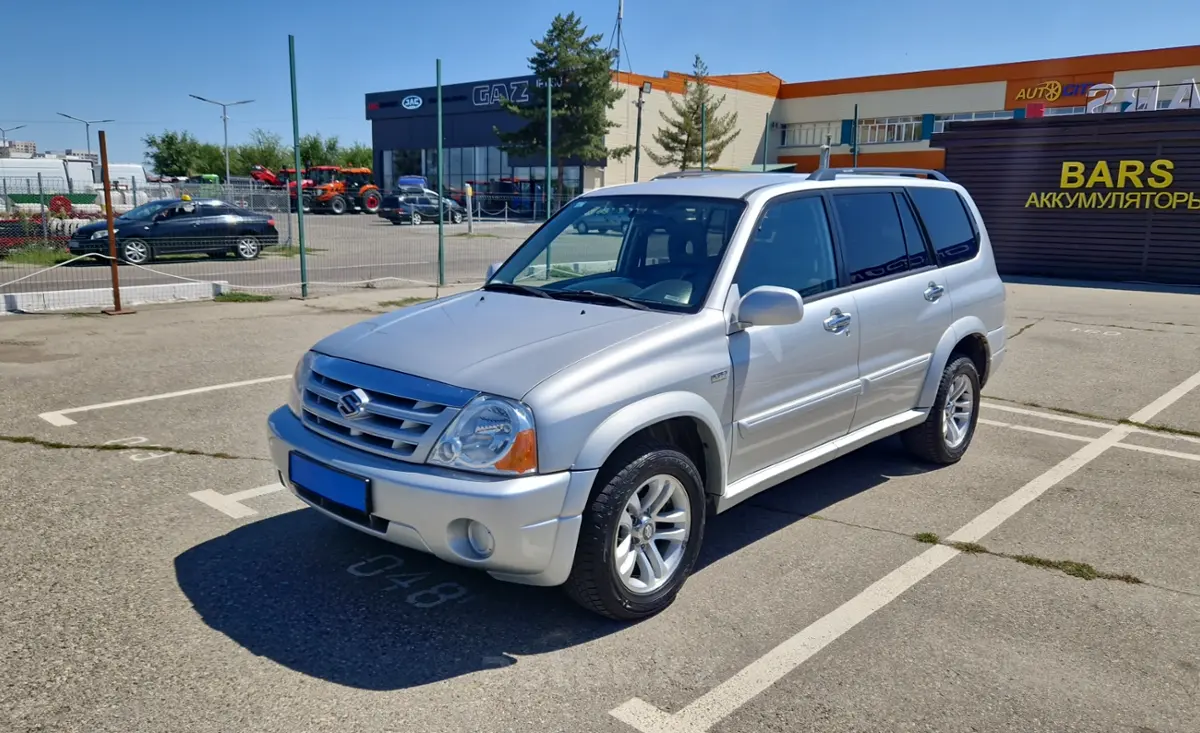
97	298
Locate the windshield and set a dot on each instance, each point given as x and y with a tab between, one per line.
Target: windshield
322	175
146	211
659	251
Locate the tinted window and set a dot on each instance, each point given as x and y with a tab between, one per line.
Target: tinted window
791	248
872	238
946	221
914	241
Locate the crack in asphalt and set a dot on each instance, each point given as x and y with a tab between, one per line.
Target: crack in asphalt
113	447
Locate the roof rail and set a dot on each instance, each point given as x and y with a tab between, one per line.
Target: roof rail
830	174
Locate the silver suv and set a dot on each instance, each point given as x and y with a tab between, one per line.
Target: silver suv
576	419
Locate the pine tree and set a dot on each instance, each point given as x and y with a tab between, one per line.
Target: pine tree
682	136
581	96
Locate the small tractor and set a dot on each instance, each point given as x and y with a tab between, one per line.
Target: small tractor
339	190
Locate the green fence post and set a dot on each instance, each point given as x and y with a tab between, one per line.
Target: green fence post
703	137
441	185
854	137
549	135
299	170
766	136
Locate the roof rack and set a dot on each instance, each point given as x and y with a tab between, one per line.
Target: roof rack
830	174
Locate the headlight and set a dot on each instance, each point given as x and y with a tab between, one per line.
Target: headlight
490	435
102	234
299	377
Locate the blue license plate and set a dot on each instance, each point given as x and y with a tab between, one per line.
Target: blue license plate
330	483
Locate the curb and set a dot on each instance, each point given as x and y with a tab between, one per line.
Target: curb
64	300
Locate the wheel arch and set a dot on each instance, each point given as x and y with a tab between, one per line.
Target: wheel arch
682	418
968	337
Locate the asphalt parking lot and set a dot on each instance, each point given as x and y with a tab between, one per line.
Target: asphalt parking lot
157	578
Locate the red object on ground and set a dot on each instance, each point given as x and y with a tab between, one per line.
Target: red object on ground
60	205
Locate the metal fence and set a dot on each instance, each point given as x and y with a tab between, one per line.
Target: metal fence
54	248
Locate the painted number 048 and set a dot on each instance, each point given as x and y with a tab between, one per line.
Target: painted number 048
422	598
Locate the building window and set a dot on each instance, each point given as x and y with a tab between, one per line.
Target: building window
939	122
1055	111
889	130
810	133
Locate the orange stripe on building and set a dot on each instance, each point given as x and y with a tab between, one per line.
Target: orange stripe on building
764	83
1085	68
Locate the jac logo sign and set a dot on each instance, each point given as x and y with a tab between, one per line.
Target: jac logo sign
488	94
412	101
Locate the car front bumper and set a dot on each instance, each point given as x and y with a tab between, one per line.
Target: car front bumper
534	520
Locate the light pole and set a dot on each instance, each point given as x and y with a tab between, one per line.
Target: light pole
87	128
4	134
643	90
225	121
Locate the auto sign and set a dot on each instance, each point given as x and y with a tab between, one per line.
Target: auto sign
412	101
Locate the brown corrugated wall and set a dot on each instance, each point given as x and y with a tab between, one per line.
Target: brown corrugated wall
1108	232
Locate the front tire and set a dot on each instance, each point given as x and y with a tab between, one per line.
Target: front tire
641	533
136	252
456	217
946	434
581	227
337	205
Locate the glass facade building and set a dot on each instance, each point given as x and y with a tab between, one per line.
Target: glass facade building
474	165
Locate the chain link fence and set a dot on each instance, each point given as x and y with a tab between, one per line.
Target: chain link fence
237	238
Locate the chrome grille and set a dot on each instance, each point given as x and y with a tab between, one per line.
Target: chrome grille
403	414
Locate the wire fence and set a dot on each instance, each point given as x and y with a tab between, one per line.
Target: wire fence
55	252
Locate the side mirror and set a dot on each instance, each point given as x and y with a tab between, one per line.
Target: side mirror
769	305
492	269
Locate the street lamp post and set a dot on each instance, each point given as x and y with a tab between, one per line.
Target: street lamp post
4	134
225	122
643	90
87	128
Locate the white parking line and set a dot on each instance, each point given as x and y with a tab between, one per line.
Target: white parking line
1090	423
59	419
1084	439
718	703
231	504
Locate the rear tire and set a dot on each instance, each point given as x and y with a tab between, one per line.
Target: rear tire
416	219
247	248
656	546
947	432
371	201
456	217
581	228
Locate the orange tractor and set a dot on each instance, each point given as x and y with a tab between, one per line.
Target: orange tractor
338	190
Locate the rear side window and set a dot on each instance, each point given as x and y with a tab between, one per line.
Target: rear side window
945	217
872	238
918	253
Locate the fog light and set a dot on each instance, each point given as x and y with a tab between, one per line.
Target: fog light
480	538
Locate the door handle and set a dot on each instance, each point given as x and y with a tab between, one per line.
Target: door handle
934	292
837	322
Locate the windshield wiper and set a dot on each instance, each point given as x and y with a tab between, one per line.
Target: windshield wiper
502	287
595	295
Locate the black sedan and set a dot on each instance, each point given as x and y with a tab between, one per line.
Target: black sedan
179	226
416	209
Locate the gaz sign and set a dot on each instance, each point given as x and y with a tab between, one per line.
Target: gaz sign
494	93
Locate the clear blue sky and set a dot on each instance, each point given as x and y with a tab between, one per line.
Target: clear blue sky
137	62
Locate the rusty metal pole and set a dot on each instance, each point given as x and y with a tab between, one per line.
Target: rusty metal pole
112	236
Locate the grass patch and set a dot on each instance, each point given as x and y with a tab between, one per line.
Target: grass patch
473	235
1161	428
115	448
1024	328
37	254
970	548
236	296
292	251
402	302
928	538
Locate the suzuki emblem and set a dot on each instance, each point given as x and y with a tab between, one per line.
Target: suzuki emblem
353	404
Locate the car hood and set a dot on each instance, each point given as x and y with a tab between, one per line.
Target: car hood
500	343
96	226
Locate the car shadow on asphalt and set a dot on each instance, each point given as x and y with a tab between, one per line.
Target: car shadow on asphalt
328	602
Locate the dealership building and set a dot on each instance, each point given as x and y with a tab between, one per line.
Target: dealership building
779	123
